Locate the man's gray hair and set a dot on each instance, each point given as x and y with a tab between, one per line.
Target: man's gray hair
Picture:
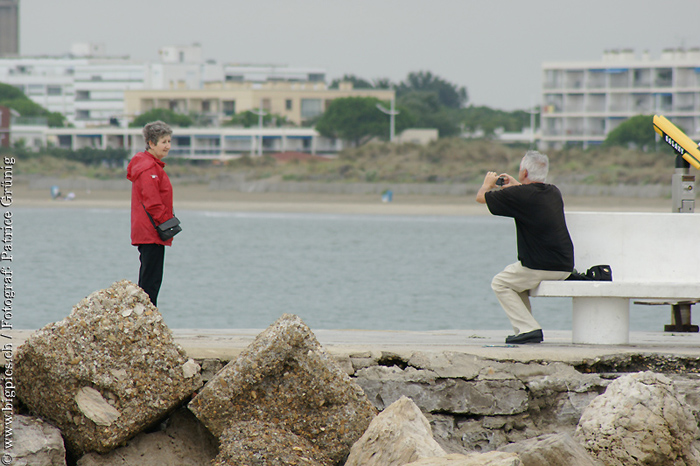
155	130
536	164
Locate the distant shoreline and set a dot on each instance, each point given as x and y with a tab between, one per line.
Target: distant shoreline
202	197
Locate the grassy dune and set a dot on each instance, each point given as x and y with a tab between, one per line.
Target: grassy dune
443	161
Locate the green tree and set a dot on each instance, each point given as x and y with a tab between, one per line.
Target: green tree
163	114
489	119
357	83
361	83
9	92
636	132
449	95
383	83
428	112
358	119
13	98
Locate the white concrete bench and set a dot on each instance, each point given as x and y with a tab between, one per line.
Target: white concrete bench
653	257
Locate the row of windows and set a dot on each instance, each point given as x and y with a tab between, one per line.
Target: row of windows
309	108
622	78
622	102
597	126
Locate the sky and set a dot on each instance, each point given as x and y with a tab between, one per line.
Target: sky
493	48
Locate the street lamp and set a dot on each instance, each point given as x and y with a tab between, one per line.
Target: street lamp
260	113
532	113
392	114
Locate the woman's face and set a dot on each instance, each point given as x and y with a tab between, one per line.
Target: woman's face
161	149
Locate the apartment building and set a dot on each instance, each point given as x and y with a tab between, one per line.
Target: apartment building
296	101
583	101
88	90
88	86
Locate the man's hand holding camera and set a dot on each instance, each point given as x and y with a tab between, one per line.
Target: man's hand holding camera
493	180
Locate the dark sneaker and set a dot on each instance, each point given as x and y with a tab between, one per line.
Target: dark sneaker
526	338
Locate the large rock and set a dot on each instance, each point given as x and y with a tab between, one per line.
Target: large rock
399	435
105	372
184	441
639	420
263	443
492	458
37	443
552	450
285	377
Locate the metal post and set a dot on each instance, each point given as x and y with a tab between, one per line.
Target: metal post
260	113
392	114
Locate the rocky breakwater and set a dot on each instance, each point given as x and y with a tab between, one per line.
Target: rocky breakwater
119	390
546	412
115	385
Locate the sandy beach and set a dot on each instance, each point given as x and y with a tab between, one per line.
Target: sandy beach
201	197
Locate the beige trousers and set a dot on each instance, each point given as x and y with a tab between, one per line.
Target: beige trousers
511	287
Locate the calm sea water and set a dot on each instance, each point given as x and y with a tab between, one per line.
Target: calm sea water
243	270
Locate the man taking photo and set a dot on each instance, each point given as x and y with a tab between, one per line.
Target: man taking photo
545	250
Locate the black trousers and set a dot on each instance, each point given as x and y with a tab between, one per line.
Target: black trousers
151	271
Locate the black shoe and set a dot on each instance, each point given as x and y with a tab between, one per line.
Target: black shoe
526	338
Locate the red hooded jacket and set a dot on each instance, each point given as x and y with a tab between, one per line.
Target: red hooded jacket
150	187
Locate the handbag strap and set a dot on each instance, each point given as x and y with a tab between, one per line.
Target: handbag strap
149	216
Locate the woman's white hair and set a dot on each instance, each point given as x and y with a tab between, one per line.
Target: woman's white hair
536	164
155	130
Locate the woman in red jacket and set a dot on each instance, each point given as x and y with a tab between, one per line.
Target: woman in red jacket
151	192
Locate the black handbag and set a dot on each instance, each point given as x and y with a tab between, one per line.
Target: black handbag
167	229
601	273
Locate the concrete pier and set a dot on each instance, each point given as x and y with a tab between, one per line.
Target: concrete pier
227	344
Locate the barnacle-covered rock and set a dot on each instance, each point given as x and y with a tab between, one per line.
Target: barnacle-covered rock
287	379
257	442
105	372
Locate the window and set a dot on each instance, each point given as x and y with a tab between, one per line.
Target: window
53	90
664	77
619	77
311	108
206	106
65	141
82	95
288	104
664	102
82	114
36	89
317	77
234	77
642	77
266	105
552	79
229	107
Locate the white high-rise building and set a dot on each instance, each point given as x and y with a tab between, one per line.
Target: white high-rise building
583	101
85	86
